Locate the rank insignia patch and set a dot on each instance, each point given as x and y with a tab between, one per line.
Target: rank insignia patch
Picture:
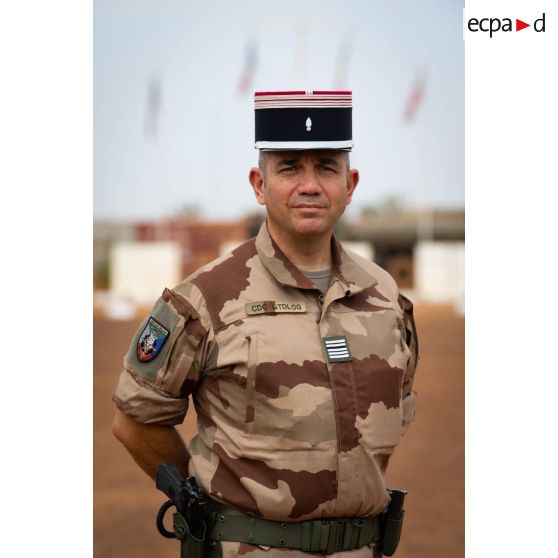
151	340
336	349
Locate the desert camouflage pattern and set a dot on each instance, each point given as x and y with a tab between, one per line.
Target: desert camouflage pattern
282	433
238	549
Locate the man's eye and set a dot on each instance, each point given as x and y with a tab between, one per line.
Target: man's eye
325	168
285	170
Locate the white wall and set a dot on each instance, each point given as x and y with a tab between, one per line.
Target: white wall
439	271
139	271
364	249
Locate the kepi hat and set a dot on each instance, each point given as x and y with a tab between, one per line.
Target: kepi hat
291	120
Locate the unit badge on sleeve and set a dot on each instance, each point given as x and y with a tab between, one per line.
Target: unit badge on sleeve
151	340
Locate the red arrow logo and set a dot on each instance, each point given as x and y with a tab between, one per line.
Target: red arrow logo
519	25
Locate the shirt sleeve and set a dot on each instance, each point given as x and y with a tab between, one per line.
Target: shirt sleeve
162	366
409	396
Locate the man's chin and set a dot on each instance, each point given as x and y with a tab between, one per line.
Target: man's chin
312	227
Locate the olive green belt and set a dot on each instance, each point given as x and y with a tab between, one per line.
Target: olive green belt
327	535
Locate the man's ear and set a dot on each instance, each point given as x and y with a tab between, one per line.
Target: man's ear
256	179
352	181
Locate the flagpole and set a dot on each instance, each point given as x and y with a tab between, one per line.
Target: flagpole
425	213
301	53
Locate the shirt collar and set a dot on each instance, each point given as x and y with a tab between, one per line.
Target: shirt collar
344	267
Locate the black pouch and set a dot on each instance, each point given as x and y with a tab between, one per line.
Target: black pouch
392	522
392	534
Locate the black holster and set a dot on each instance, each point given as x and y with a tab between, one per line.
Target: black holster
190	546
189	525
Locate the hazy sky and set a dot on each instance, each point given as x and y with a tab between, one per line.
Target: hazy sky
192	144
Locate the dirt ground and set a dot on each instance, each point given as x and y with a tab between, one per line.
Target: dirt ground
429	462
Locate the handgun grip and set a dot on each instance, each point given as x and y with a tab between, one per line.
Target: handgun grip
168	480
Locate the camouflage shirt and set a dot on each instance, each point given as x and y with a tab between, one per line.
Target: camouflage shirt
300	397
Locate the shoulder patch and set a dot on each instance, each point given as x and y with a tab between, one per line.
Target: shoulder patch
151	340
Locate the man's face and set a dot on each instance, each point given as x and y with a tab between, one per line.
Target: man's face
304	192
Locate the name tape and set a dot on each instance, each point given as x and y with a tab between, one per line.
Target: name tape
273	307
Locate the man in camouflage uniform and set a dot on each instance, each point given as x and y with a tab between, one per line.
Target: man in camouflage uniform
299	354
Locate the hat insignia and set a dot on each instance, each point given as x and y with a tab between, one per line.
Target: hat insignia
308	124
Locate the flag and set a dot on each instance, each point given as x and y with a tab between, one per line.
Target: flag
415	98
250	64
153	107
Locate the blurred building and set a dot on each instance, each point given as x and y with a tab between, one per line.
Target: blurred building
423	250
199	241
105	234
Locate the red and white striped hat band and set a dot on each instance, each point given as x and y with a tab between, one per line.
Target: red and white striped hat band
290	120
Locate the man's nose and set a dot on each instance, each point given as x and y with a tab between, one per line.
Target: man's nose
309	183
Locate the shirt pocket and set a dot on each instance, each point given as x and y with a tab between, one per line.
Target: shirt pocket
288	400
251	370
